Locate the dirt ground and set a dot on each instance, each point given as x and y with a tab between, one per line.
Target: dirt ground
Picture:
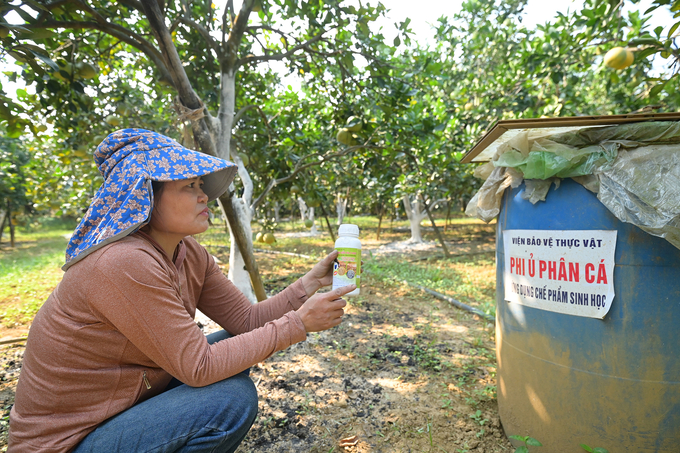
394	377
404	372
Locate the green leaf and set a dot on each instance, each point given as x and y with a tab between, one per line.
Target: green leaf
32	48
20	57
77	86
641	55
586	448
522	449
47	60
533	442
672	29
600	450
644	40
18	28
656	90
397	41
35	5
519	438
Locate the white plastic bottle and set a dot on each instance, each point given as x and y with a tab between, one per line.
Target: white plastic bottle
347	267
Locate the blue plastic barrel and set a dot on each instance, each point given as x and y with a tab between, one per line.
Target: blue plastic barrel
568	380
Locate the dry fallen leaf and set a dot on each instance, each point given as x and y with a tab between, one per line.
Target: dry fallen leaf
349	441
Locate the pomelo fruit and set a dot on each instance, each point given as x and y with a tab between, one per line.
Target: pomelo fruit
353	124
112	120
619	58
86	70
346	137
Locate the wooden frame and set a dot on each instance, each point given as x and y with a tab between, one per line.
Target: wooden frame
501	127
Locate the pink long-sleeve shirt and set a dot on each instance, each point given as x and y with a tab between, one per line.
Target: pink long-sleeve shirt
122	320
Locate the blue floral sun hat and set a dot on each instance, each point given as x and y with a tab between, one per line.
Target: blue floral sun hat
129	159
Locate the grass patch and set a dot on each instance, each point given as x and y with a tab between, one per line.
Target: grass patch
29	272
469	279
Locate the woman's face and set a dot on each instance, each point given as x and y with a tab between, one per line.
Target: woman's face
181	210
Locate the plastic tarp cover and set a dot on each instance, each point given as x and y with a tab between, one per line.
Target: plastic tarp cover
634	168
486	203
643	188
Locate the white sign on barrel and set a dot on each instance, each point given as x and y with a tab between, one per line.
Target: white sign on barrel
564	271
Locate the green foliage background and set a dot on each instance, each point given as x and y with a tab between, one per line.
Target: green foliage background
420	106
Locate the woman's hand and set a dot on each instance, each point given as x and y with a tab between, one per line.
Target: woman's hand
321	274
324	310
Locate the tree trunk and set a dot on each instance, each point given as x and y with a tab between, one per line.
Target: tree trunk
277	211
237	266
310	215
436	230
228	207
380	217
4	216
448	213
415	215
328	224
11	225
240	241
303	209
340	207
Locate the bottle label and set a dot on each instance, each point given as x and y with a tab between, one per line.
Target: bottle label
347	268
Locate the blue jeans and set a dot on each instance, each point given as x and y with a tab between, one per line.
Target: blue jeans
214	418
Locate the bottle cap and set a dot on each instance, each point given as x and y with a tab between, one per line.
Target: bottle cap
348	229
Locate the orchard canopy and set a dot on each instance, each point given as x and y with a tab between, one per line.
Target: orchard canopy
310	98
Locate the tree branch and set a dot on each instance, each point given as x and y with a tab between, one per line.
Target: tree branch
240	23
253	28
299	167
186	20
116	31
280	56
243	110
134	4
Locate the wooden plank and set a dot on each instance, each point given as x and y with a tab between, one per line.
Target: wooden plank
501	127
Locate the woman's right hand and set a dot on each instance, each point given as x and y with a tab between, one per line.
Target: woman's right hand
324	310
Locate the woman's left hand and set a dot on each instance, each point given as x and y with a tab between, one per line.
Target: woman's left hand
321	274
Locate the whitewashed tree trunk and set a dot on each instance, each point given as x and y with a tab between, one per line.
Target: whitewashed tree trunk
415	214
303	208
340	207
310	216
237	270
277	211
